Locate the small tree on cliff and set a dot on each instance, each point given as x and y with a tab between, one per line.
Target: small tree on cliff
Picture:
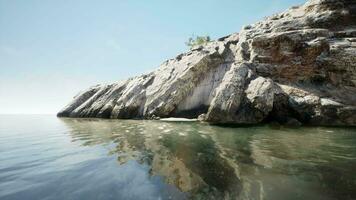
197	41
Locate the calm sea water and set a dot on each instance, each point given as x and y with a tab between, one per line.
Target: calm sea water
43	157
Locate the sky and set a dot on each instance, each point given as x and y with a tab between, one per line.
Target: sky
50	50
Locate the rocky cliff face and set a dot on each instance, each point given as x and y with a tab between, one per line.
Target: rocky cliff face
295	67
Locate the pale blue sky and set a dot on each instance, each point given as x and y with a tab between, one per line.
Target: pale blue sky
50	50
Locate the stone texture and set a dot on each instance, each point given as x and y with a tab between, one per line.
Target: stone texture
295	67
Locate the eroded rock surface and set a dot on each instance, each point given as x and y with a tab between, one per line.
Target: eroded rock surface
298	66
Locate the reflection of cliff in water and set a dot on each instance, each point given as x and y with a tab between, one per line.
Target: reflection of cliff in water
304	163
178	152
227	163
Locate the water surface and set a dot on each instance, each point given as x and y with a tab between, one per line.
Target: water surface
43	157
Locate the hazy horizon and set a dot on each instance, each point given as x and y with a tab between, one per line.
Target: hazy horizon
51	50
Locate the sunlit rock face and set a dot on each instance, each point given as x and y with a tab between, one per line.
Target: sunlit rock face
299	65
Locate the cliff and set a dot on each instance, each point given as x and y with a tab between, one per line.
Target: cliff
295	67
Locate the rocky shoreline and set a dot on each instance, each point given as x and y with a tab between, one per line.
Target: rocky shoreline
298	66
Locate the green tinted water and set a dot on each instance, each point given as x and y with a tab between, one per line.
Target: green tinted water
43	157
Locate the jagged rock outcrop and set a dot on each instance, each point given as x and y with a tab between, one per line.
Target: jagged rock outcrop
297	66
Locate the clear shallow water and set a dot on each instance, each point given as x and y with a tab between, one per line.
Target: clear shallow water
43	157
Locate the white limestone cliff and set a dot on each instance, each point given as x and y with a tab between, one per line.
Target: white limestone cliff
297	66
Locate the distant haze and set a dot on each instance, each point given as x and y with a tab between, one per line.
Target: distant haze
50	50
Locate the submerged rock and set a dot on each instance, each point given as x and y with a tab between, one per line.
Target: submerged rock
300	65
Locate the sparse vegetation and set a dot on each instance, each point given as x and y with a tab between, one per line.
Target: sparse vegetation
197	41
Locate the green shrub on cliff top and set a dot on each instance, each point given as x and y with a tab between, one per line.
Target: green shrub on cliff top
197	41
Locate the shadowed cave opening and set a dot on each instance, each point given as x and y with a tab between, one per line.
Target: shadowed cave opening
191	113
